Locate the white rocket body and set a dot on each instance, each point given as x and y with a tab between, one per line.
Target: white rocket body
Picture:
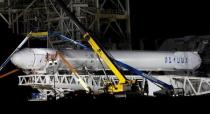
35	58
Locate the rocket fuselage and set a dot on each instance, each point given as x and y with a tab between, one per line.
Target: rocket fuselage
35	58
142	60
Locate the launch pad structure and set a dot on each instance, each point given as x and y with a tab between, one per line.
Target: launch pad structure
101	17
51	85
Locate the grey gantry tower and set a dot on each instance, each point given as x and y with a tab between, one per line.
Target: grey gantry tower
108	20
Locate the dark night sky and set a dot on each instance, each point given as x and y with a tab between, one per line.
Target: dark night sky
162	20
156	20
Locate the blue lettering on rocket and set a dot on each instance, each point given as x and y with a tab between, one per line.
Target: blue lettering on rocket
179	60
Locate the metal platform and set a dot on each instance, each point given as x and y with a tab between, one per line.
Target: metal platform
192	86
69	82
61	84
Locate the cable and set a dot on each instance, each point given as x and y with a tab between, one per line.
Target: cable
9	73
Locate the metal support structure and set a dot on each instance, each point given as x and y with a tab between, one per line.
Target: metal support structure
9	13
105	18
2	16
69	83
191	86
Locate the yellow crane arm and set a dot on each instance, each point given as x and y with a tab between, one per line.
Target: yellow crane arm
122	80
39	34
104	57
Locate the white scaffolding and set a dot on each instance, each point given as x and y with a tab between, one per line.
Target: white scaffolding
191	86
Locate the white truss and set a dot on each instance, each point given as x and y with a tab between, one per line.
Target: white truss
67	81
49	84
59	84
192	85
